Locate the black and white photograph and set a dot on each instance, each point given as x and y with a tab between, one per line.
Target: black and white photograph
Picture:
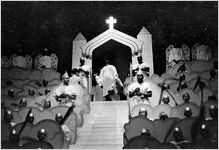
109	74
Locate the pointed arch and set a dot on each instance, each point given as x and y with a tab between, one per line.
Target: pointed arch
133	43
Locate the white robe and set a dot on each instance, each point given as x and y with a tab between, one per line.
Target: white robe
108	75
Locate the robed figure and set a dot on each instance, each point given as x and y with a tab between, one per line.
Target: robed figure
109	76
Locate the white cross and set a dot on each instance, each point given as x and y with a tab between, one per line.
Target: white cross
111	21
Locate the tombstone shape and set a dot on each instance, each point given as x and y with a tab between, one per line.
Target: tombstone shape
201	52
4	62
173	55
46	61
20	61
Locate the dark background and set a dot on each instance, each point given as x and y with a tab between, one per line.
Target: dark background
31	26
118	54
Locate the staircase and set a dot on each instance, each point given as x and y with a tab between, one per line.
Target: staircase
103	127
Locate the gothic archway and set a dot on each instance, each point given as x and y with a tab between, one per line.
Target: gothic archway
142	44
118	54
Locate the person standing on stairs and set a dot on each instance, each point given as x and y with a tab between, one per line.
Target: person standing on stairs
109	78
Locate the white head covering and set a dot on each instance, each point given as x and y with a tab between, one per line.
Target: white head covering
139	72
85	68
65	75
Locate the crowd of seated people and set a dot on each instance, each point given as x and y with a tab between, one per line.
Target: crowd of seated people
184	113
41	111
177	110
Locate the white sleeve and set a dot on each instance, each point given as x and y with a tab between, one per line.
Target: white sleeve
145	87
115	72
132	87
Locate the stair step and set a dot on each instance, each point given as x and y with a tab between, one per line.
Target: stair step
103	126
103	129
100	136
103	146
99	141
103	133
99	125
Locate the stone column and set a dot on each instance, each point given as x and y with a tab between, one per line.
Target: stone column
147	52
78	42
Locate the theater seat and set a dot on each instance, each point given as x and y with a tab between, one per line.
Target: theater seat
6	128
178	111
55	135
135	125
194	98
166	94
162	127
206	93
214	85
71	122
162	108
19	116
207	105
135	111
142	142
186	126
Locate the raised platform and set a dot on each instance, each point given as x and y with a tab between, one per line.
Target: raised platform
103	127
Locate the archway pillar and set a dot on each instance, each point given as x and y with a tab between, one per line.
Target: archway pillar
78	41
147	52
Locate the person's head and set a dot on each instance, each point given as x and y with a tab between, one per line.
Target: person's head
143	112
140	77
8	116
202	133
42	134
178	135
82	61
65	78
188	112
140	59
145	132
80	71
107	62
163	116
213	74
186	97
134	72
213	111
58	118
74	71
166	99
13	136
215	64
183	85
